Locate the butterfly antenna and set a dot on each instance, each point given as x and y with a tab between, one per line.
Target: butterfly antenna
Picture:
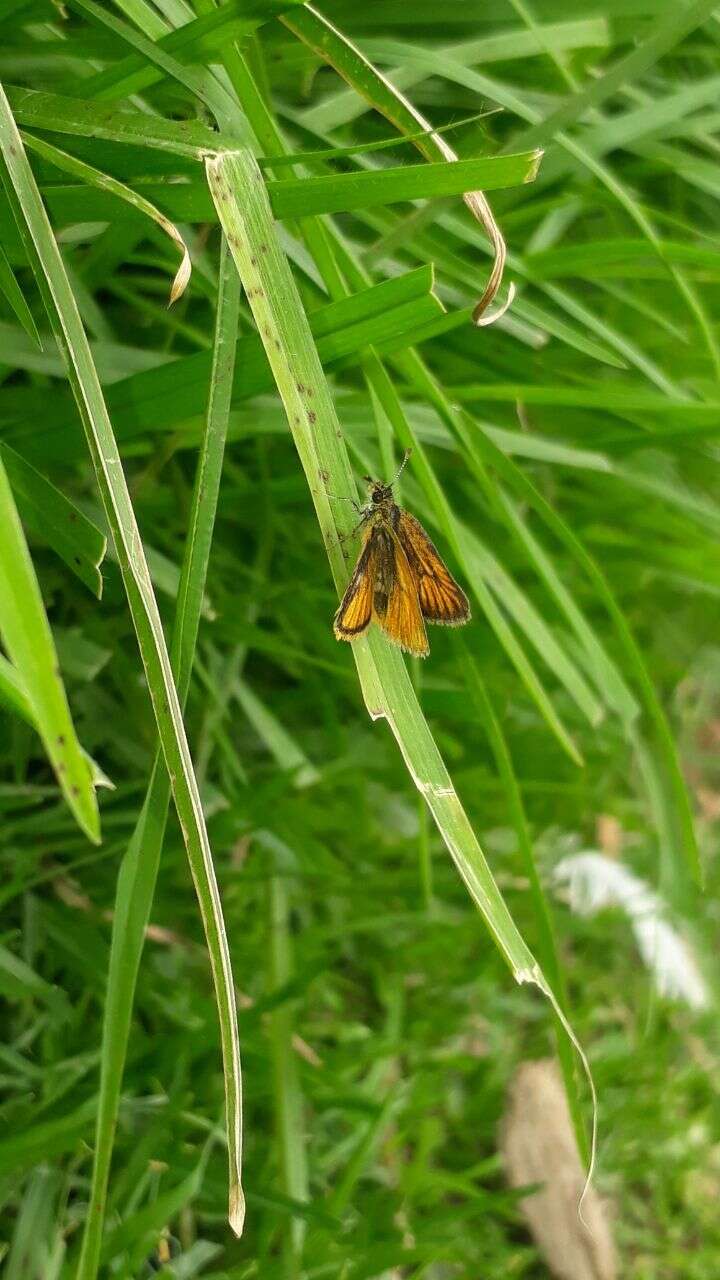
402	467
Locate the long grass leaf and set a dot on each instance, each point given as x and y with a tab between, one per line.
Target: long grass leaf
334	47
238	190
59	113
546	945
28	640
87	173
139	869
63	313
57	520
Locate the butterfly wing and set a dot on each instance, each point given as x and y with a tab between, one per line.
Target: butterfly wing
353	617
441	599
395	606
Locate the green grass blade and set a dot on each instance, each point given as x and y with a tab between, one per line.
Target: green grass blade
518	481
86	172
62	310
608	679
546	945
428	386
436	63
345	105
139	869
333	47
200	82
194	40
55	519
60	114
677	24
10	288
29	643
150	400
244	210
16	699
13	693
145	1226
298	197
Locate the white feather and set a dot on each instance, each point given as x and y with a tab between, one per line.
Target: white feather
594	881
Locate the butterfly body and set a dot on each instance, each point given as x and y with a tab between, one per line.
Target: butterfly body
400	580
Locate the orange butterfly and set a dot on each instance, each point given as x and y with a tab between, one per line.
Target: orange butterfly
399	579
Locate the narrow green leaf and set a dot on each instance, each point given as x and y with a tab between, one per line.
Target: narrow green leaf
139	868
676	24
543	915
40	1141
150	1220
28	640
200	82
18	981
13	693
63	313
86	172
345	105
244	210
15	297
517	480
59	114
285	750
57	520
608	680
298	197
153	399
628	399
191	42
333	47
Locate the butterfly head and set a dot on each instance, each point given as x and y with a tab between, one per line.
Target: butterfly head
377	492
380	496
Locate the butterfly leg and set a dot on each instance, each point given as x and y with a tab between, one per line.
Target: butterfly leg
336	497
345	537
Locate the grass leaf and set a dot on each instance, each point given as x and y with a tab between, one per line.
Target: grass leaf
28	640
62	310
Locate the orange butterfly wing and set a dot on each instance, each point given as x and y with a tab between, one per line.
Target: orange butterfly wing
401	618
353	617
383	587
441	599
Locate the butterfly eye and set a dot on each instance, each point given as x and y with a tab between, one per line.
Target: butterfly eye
377	495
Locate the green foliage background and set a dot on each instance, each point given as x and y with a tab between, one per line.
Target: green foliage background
563	458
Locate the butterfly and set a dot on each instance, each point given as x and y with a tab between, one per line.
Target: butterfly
399	580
